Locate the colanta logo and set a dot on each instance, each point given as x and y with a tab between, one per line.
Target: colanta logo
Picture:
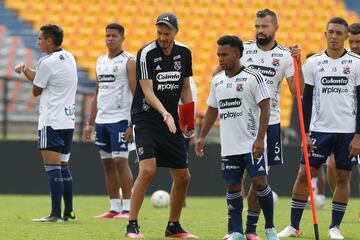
229	103
331	80
265	71
106	78
173	76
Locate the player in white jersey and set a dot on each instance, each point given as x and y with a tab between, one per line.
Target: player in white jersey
241	99
55	81
110	111
331	102
275	63
354	43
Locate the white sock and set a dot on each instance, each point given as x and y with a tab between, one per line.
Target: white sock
115	205
126	205
314	183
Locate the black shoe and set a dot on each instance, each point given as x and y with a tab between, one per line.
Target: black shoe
48	219
132	231
174	230
69	216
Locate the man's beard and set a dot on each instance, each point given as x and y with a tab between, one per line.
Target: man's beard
263	41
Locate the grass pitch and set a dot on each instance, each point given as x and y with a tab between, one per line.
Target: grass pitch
203	216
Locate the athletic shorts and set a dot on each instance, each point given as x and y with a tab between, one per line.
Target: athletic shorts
109	139
326	143
274	147
232	167
167	148
59	140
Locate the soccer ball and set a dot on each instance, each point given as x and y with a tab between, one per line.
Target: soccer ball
275	197
160	199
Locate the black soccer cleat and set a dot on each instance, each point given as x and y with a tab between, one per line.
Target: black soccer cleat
70	216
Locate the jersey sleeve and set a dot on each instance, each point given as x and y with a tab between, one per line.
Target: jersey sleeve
143	66
211	101
357	75
259	89
188	70
42	76
289	67
308	71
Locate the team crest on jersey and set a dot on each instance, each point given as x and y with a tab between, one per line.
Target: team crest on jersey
239	87
346	70
116	69
177	65
140	151
275	62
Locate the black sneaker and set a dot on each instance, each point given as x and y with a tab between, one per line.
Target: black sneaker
174	230
69	216
48	219
132	231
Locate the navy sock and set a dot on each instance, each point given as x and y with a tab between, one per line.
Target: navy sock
235	207
297	209
68	189
267	205
230	227
252	220
56	187
337	213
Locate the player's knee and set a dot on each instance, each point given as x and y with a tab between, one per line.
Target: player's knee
147	173
184	178
259	182
342	179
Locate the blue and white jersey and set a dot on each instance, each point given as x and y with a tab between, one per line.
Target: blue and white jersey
274	65
56	74
114	95
334	99
237	101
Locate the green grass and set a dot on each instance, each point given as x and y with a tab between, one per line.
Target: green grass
205	217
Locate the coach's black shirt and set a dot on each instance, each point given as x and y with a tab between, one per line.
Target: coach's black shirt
167	74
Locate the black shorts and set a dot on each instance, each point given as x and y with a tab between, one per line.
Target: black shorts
157	142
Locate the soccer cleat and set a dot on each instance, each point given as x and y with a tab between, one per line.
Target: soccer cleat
123	214
132	231
69	216
289	231
252	236
174	230
110	214
226	237
236	236
48	219
271	234
334	233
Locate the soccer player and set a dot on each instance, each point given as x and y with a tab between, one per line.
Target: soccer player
55	81
240	96
273	62
332	85
110	111
163	68
354	42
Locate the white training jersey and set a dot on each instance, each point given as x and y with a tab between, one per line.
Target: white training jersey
274	65
56	74
114	95
237	101
334	99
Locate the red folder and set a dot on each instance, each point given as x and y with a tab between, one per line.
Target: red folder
187	116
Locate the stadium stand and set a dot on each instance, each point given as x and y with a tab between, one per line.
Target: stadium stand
201	23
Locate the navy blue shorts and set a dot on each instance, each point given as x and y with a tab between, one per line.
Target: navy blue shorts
274	147
109	137
59	140
157	142
326	143
232	167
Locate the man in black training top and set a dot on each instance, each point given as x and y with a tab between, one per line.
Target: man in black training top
163	68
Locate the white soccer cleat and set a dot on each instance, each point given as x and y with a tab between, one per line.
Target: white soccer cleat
334	233
289	231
